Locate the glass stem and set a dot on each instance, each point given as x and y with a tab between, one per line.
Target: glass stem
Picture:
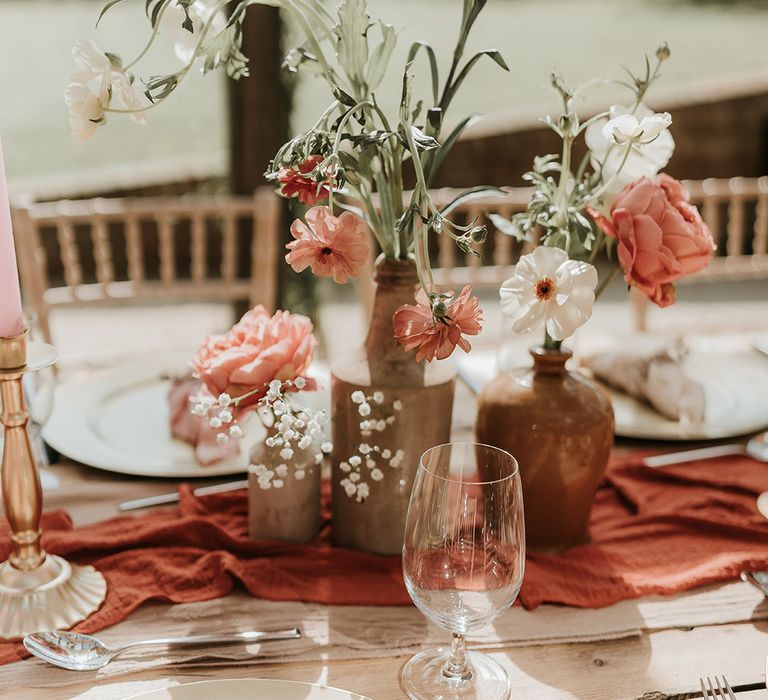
456	668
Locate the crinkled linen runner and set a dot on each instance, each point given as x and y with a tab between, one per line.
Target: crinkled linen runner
654	531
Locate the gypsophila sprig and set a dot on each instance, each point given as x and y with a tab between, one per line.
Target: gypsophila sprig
370	461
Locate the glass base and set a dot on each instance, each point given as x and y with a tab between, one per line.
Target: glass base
423	678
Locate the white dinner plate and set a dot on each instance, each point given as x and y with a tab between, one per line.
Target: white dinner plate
248	689
735	384
117	419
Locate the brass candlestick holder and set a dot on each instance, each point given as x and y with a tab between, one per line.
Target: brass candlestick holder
38	591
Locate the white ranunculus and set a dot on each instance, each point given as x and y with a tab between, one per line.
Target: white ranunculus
647	157
549	288
185	42
130	95
87	97
624	128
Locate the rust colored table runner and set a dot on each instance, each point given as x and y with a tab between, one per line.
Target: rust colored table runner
653	531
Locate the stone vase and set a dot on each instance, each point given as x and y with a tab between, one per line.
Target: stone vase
415	408
288	509
559	426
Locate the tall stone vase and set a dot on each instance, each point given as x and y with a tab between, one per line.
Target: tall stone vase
559	426
407	409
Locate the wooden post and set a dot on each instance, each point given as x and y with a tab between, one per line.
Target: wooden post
259	110
259	105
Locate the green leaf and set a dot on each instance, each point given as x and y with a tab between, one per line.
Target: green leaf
415	47
368	138
352	44
447	145
470	194
114	60
493	54
223	49
160	86
106	9
379	62
407	93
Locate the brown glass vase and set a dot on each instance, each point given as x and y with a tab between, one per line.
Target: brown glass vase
559	426
416	407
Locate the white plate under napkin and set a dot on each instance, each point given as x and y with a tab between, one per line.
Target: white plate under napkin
117	419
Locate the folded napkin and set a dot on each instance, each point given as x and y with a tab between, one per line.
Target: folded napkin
195	430
657	379
654	531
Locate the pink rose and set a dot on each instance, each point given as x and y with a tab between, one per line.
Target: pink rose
661	237
255	351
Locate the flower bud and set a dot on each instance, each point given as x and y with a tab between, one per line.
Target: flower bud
479	234
439	309
663	52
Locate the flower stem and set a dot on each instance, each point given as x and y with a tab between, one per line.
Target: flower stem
607	281
550	343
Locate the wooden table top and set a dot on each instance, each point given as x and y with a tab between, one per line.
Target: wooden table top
656	665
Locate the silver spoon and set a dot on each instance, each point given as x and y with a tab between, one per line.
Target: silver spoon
756	448
82	652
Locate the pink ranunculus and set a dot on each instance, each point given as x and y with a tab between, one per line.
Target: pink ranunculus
416	329
661	237
298	183
330	246
255	351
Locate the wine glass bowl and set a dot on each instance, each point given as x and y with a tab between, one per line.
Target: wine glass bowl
463	563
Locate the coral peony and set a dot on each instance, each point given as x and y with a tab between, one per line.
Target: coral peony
255	351
331	246
661	237
417	328
299	184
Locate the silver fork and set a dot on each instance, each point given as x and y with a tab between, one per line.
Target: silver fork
711	692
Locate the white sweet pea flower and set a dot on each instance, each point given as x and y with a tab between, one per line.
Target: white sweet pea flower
549	288
648	155
184	41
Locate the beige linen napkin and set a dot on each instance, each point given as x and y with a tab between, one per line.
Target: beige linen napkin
657	379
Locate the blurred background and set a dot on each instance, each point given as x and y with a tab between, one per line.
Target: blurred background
716	83
216	135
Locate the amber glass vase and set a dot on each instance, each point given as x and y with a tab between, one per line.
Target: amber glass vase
417	400
559	426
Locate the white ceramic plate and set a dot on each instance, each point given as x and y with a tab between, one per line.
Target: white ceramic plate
735	383
117	419
248	689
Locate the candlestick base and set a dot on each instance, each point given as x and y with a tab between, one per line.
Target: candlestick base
55	595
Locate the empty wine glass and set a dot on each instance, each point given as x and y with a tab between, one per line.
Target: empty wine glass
463	561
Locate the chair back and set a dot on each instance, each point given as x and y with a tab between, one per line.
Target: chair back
148	250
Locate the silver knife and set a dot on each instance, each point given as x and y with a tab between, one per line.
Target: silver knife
166	498
692	455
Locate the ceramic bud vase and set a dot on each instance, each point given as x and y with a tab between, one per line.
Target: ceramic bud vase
387	411
283	495
559	426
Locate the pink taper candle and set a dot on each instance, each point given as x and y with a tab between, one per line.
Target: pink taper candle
11	319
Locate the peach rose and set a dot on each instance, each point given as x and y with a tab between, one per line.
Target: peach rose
661	237
255	351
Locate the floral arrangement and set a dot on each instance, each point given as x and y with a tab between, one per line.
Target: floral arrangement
259	365
614	201
353	157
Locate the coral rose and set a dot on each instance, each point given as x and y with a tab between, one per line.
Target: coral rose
661	237
417	329
255	351
331	246
299	184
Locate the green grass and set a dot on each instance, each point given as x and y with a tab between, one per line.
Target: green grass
582	38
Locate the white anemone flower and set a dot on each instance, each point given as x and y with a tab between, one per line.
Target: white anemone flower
549	288
184	41
652	148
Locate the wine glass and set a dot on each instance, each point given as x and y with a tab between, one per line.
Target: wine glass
463	562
